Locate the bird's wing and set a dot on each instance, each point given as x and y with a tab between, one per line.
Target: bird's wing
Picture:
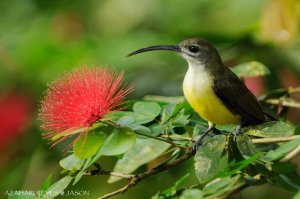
237	98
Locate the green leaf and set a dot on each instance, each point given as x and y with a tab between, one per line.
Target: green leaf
73	132
235	167
120	141
191	194
297	130
87	163
78	177
167	112
127	119
45	186
156	196
157	129
181	119
245	146
271	129
281	151
290	182
88	145
58	187
115	116
172	190
208	158
216	185
144	151
134	118
223	186
143	112
228	128
177	108
297	195
71	162
251	69
140	129
157	98
147	108
284	167
177	112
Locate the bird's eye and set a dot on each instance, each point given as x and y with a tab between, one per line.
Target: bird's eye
194	49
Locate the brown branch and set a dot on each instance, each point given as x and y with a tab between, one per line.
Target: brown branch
109	173
254	140
135	178
122	190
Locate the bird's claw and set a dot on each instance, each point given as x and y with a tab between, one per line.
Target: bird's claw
237	132
235	137
194	148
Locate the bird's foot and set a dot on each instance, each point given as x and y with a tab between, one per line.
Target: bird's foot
199	139
195	147
237	132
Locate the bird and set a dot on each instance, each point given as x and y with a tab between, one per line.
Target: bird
212	89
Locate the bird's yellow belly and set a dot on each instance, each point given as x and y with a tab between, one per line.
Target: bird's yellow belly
204	101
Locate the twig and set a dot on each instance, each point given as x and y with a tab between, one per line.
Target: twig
164	140
288	102
131	183
134	179
100	171
290	155
239	189
177	137
292	90
255	140
109	173
274	140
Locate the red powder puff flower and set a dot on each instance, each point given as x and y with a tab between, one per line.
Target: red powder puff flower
78	99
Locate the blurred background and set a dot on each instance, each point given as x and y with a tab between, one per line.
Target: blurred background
41	39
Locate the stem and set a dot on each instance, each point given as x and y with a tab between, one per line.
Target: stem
121	190
257	178
286	102
292	90
164	140
138	177
178	137
133	179
274	140
109	173
291	155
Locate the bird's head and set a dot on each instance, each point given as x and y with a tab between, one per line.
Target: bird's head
194	51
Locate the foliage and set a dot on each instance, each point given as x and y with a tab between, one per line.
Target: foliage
160	128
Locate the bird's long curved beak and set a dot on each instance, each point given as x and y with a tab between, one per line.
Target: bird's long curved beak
160	47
